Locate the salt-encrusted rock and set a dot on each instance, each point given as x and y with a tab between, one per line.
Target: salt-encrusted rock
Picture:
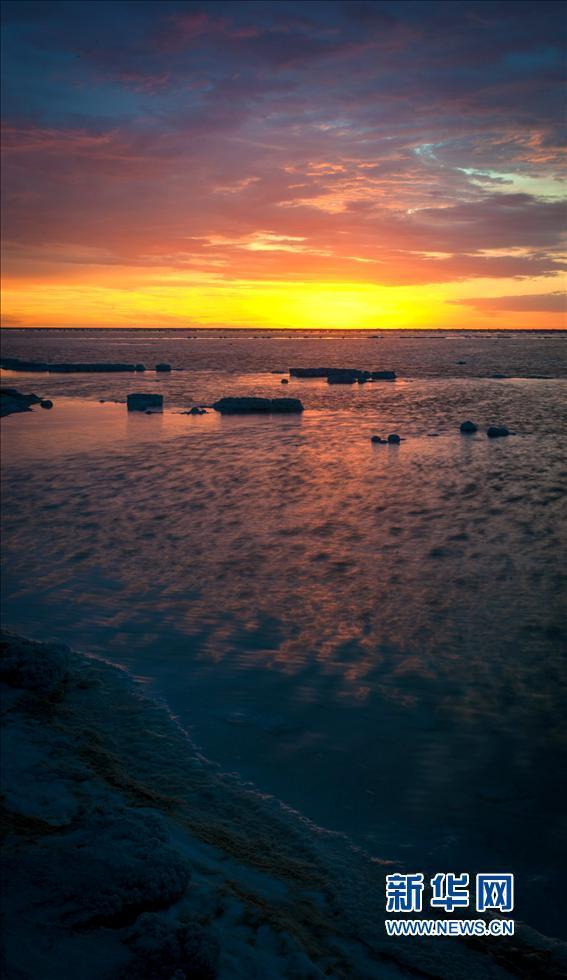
46	403
394	439
140	401
117	864
163	367
494	431
170	949
468	427
248	405
40	667
12	400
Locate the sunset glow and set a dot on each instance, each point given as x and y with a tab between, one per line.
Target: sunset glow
364	165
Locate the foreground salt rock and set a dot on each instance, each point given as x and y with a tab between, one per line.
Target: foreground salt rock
342	375
249	405
16	364
127	856
12	401
141	401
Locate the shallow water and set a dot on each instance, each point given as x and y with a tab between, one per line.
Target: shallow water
371	633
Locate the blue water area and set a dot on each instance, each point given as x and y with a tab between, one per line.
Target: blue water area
373	634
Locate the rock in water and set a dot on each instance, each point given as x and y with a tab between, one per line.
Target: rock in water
394	439
284	381
376	439
309	372
12	401
248	405
494	431
46	403
344	376
163	367
15	364
468	427
286	405
140	401
383	375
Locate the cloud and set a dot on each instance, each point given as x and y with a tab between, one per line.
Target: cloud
532	303
401	144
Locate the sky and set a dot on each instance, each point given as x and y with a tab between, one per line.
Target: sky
285	164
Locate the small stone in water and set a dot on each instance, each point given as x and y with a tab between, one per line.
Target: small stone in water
494	431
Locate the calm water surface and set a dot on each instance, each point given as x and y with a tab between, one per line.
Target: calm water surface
372	634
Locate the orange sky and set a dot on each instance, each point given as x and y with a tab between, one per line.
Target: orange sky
241	165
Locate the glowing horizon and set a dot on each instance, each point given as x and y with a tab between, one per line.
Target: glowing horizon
321	166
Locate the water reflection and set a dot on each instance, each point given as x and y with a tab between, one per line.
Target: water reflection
371	632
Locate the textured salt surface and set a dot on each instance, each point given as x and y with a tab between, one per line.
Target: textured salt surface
128	856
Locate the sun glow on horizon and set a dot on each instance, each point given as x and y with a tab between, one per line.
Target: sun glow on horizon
256	303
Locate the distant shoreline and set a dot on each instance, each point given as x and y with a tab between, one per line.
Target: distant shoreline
295	330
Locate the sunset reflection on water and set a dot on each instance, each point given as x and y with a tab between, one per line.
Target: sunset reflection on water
372	633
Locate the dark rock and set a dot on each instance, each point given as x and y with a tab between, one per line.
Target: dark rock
163	367
46	403
41	667
139	367
460	362
468	427
166	950
233	406
498	375
383	375
344	376
494	431
15	364
12	401
309	372
394	439
377	439
141	401
244	405
286	405
284	381
197	411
